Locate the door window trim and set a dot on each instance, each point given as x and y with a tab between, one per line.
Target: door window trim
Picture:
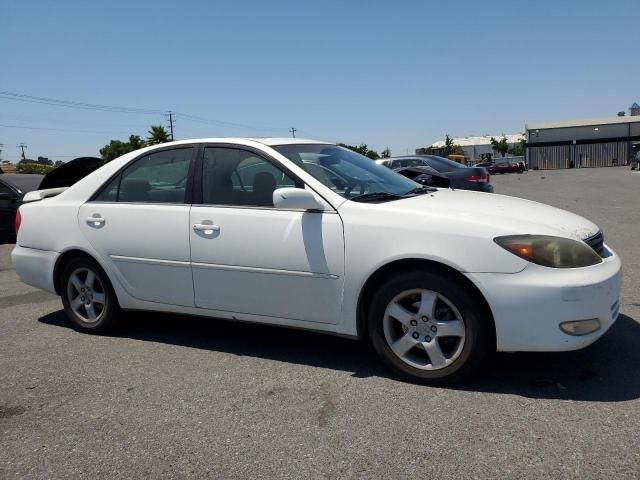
189	187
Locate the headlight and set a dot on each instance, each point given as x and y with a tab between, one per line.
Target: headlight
555	252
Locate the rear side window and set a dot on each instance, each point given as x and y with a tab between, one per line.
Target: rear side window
415	162
160	177
443	164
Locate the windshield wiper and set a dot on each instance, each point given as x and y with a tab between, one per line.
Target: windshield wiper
376	196
381	196
421	190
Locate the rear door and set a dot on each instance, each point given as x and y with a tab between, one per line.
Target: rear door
139	224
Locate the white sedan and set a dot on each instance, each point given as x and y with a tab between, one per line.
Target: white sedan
309	235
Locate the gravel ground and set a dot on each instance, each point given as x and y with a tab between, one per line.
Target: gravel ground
171	396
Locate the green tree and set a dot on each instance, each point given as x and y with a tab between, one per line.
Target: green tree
58	163
362	149
135	142
451	148
517	150
158	134
500	146
115	149
386	153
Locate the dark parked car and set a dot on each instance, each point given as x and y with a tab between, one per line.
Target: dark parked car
13	186
464	178
502	167
425	176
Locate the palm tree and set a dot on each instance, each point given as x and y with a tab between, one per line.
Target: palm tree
158	134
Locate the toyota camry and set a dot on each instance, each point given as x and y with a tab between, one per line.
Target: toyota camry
310	235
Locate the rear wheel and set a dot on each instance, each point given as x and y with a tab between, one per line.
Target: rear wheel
428	328
88	297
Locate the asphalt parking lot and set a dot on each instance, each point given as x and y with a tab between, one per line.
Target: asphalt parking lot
171	396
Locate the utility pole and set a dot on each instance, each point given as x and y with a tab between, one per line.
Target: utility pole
293	132
22	146
171	120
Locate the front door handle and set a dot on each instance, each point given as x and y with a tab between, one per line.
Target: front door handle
96	221
208	228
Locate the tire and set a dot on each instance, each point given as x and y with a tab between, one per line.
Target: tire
100	311
464	332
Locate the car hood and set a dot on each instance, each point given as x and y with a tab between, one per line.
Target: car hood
497	214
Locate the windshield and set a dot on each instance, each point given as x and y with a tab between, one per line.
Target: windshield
346	172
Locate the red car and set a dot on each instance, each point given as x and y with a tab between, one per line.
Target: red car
503	167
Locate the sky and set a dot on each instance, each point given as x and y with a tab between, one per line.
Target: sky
397	74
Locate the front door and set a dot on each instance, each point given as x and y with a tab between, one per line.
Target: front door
139	224
248	257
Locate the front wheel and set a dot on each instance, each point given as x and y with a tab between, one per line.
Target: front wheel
88	297
428	328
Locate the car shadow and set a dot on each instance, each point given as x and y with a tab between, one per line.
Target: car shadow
603	372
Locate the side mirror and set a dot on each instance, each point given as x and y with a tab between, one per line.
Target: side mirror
295	199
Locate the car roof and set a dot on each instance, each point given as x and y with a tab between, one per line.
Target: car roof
25	182
272	141
269	141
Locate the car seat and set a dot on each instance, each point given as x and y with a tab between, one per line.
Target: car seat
264	183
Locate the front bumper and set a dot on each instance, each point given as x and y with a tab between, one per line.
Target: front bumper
529	306
35	267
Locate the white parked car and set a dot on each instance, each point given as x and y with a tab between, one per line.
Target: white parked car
310	235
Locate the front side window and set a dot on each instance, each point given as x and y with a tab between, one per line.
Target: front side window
345	172
160	177
240	178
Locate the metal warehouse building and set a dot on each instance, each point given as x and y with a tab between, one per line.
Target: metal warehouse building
603	142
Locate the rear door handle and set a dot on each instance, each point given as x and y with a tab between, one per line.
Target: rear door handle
206	227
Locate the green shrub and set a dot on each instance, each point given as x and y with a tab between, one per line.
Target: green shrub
38	168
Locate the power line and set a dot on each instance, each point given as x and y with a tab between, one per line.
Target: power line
64	129
56	121
6	95
20	97
210	121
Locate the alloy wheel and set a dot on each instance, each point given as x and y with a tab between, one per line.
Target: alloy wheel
86	295
424	329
